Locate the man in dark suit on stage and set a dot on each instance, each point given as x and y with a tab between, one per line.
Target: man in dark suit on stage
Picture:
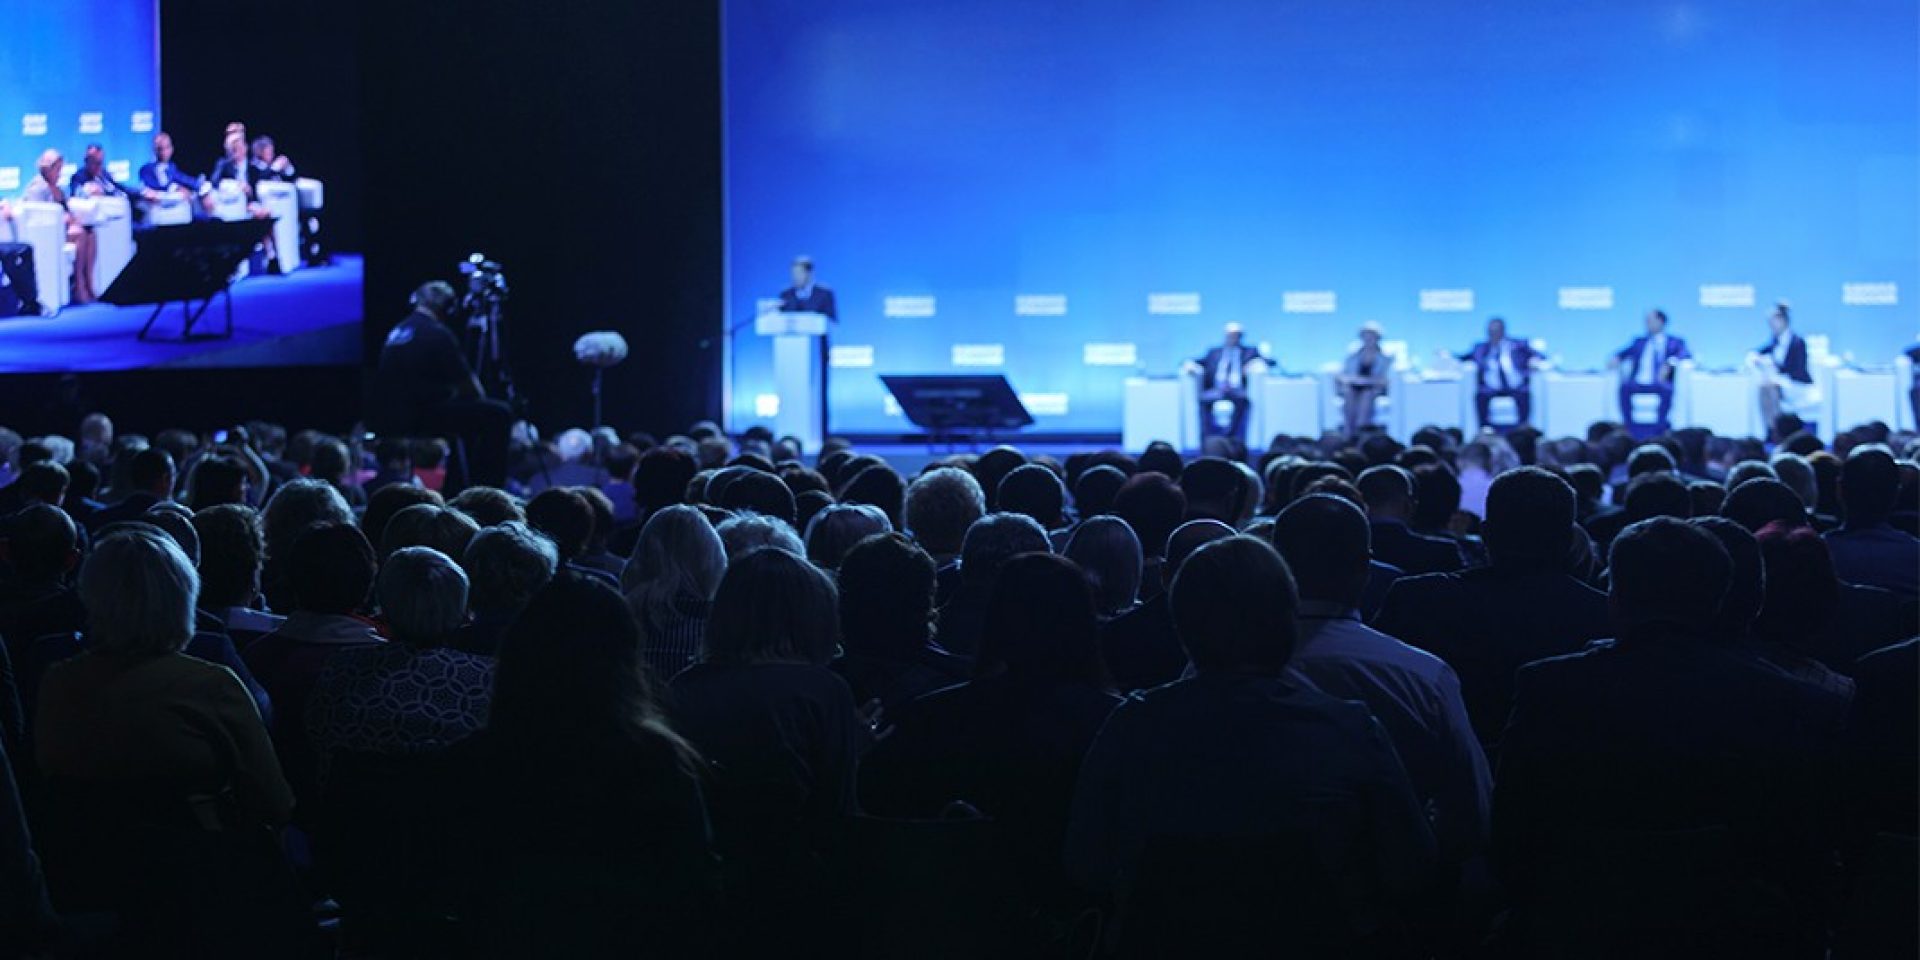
1504	367
1651	361
1223	376
808	296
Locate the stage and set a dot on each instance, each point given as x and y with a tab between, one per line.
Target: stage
310	317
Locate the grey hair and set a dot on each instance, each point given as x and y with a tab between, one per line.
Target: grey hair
423	595
743	533
1109	551
678	556
998	536
1749	469
1794	471
140	591
59	447
508	564
941	505
835	529
297	505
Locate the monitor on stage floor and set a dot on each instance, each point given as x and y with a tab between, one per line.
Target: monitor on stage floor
1073	194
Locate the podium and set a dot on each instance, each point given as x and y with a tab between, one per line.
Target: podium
1283	404
797	375
1574	400
282	201
1155	408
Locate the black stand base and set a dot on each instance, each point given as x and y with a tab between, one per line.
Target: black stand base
190	315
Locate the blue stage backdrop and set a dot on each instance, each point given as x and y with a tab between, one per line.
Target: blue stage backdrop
74	73
1074	192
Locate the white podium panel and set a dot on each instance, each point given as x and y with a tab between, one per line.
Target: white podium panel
1152	409
313	194
282	201
1568	403
171	210
1282	404
1721	401
43	226
796	373
230	201
111	219
1430	401
1902	383
1863	395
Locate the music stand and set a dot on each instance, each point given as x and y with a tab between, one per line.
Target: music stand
194	261
959	407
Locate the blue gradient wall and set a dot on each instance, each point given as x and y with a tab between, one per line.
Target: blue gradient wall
79	72
1242	149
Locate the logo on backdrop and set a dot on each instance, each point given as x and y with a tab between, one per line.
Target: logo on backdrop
1870	294
33	125
1308	301
142	121
1040	305
1586	298
1173	304
93	121
1452	300
1726	294
907	307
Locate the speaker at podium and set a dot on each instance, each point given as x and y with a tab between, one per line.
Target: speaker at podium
797	374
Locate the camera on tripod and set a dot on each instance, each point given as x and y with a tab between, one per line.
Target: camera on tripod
486	290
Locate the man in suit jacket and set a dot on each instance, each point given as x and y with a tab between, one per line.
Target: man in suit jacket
1223	376
1650	362
151	477
1785	356
162	176
1388	492
1634	755
1504	367
1488	621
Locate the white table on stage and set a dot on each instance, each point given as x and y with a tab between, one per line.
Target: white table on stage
1860	395
43	226
1283	403
1429	400
1570	401
1724	401
1154	408
796	373
171	210
111	219
282	201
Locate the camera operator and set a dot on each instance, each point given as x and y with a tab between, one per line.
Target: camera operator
424	387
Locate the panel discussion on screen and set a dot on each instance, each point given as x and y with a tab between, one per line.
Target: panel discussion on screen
949	479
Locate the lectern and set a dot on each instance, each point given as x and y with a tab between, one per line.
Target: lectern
797	376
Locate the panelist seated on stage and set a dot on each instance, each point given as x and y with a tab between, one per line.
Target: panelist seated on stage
1504	368
1223	374
424	387
45	188
163	178
267	164
1650	363
1786	379
1363	379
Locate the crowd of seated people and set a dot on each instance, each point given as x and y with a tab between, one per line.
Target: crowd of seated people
1472	696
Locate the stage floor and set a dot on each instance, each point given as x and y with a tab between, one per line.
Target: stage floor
310	317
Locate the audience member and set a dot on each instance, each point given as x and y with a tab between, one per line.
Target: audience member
1629	759
1388	491
416	694
833	531
508	562
740	534
1523	606
1237	761
941	504
1867	549
577	744
1140	647
990	542
670	581
887	622
1109	552
1413	694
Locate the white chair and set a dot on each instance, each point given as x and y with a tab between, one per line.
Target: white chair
282	201
111	219
43	226
230	201
171	210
